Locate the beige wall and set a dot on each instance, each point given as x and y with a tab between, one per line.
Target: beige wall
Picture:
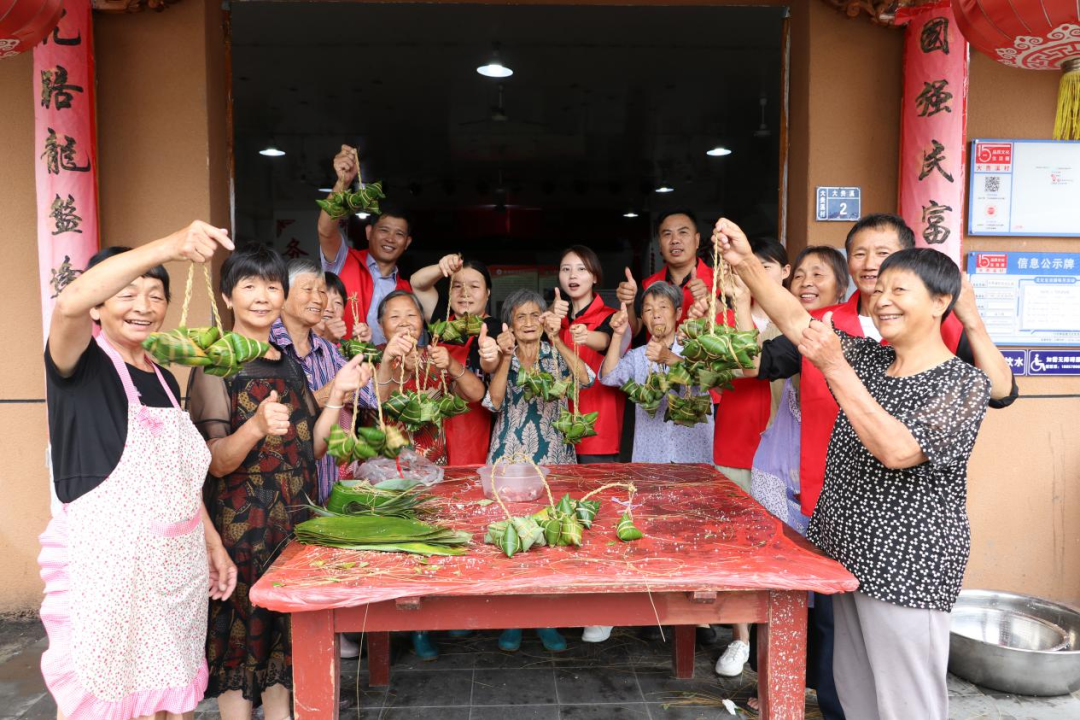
164	159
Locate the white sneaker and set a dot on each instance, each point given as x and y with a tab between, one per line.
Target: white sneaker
596	633
734	658
347	648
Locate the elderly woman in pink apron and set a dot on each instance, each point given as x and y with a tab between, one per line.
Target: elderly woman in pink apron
128	560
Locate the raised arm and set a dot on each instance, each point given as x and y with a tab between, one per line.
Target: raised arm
781	306
887	439
500	377
71	327
355	374
329	230
626	293
620	325
552	326
466	385
423	281
988	357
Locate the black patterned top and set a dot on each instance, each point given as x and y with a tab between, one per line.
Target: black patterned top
904	533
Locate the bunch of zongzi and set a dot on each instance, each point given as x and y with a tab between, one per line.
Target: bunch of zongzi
647	395
365	444
204	347
563	524
699	374
456	330
541	384
575	427
720	346
385	534
347	202
353	347
688	411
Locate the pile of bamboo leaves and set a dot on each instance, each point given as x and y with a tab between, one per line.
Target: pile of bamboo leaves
392	498
383	534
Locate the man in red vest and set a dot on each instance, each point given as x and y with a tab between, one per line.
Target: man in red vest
370	274
679	241
871	240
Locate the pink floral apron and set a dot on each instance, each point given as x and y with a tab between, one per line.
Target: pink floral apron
126	578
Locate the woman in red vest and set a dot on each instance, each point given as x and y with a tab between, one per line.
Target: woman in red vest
467	436
587	329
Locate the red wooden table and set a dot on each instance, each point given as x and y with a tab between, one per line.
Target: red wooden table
710	554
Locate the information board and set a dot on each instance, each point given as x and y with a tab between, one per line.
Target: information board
1026	188
1028	298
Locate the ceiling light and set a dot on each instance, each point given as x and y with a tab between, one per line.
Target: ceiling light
495	67
630	214
718	151
363	215
665	189
271	152
326	189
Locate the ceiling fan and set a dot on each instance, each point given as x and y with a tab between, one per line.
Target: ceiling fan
498	114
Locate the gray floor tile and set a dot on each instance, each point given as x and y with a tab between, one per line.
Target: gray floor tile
369	696
43	709
21	684
663	686
418	713
974	707
581	686
1065	707
958	686
514	687
429	688
628	711
517	712
452	656
524	659
666	711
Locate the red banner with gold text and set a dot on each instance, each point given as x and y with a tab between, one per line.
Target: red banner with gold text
65	149
933	125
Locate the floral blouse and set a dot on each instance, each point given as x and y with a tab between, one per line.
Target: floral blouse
529	425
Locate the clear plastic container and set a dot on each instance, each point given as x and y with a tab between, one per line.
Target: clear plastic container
516	483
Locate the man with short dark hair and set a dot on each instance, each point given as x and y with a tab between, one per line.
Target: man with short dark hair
370	274
677	232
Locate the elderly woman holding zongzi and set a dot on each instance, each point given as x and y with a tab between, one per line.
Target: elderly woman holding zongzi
265	432
528	425
408	364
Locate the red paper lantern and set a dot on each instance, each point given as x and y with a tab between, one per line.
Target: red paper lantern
25	23
1034	35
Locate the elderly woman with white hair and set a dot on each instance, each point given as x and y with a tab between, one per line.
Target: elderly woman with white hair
293	332
521	425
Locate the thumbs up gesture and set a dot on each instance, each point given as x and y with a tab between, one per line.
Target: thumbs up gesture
507	342
626	292
271	418
619	322
487	346
560	308
821	345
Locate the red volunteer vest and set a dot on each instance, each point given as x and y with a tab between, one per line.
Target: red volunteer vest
469	435
608	401
357	280
819	408
702	271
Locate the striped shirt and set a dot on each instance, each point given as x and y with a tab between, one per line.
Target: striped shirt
320	366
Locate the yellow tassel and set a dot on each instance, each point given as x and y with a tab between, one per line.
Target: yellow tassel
1067	124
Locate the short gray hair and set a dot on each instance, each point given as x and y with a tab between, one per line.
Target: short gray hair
393	296
303	266
519	298
666	291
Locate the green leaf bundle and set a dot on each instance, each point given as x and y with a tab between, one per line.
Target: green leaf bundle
457	329
385	534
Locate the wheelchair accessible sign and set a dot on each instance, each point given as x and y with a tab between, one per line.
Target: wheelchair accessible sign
839	204
1035	363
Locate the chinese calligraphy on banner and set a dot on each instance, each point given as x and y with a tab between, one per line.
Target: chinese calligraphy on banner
933	124
65	146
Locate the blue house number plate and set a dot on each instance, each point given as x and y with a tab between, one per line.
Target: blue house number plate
839	204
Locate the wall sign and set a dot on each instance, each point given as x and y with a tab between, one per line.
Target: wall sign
1026	188
839	204
1028	299
1035	362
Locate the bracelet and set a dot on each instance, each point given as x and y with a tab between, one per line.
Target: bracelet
458	376
333	407
388	382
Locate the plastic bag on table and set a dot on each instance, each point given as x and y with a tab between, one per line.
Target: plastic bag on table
410	465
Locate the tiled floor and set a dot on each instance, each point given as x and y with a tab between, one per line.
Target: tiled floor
626	677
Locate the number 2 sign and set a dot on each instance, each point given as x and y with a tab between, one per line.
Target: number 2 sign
839	204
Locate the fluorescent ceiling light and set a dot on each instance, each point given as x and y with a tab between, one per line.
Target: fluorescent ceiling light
630	214
363	215
326	189
665	189
718	151
271	152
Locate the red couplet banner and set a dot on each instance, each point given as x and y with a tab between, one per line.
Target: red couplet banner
65	149
933	125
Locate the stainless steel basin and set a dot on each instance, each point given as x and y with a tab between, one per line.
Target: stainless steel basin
1015	643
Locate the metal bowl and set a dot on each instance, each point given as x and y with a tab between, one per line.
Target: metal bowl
1018	644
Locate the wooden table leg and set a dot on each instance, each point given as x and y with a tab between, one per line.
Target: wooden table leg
378	658
782	657
682	650
315	651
